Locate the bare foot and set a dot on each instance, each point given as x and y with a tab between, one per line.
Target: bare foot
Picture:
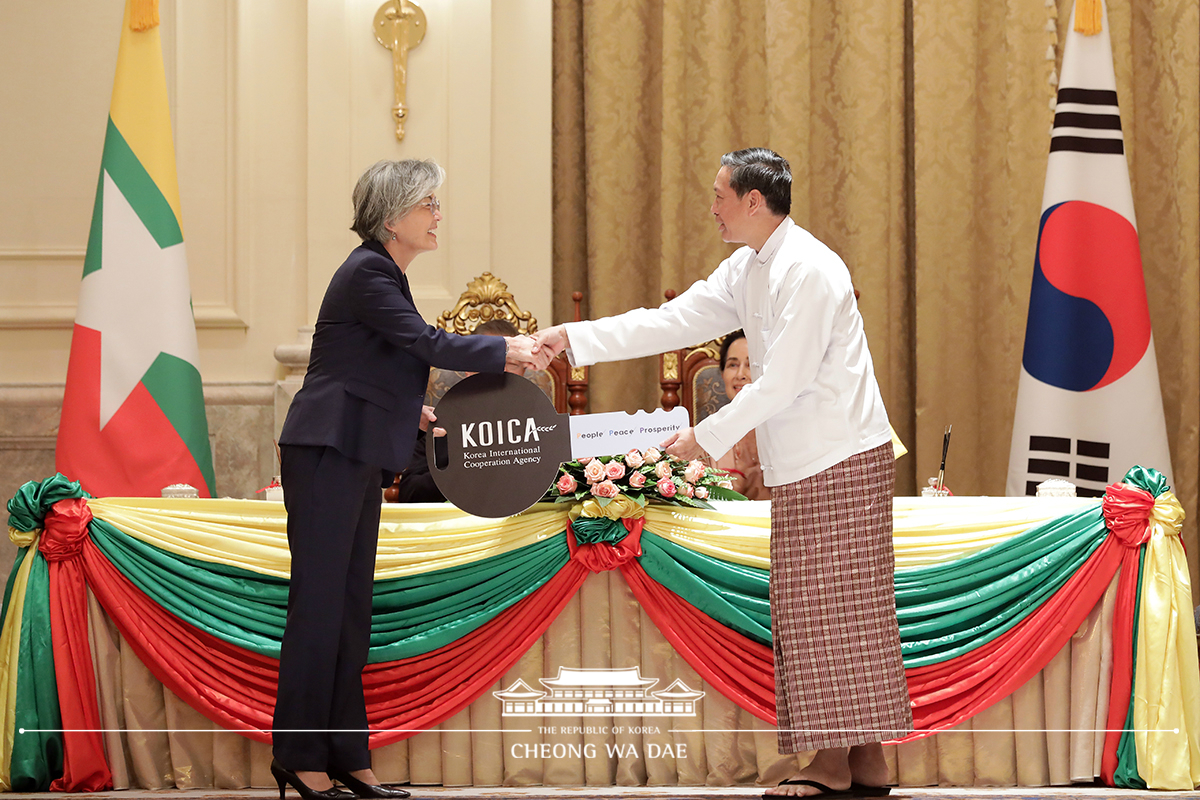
804	790
828	767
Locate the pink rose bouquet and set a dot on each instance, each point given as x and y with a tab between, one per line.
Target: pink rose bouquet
644	477
593	472
605	489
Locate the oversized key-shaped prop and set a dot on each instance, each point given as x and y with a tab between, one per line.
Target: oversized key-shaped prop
505	441
400	26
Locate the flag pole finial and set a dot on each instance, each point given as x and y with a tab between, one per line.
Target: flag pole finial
1089	17
143	15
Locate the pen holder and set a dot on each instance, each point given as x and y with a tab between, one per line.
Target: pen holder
932	491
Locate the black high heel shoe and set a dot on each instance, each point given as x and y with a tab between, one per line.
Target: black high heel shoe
366	790
284	777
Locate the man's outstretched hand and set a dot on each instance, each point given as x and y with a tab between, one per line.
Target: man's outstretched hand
523	353
684	445
551	340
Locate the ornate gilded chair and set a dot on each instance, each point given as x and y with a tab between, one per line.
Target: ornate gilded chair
691	377
487	298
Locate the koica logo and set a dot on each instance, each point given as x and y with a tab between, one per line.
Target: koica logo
518	432
504	444
598	693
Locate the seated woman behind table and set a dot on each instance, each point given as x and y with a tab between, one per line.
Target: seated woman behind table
741	462
416	483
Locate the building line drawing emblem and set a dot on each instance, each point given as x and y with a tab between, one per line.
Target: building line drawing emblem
598	693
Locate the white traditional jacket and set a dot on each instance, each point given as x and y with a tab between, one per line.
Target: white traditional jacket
813	400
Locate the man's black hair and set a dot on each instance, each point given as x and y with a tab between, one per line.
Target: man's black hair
764	170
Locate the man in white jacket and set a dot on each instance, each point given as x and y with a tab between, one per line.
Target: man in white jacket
825	446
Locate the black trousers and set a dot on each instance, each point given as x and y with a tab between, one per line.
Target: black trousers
333	529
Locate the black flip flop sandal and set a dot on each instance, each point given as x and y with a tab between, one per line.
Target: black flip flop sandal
863	790
824	790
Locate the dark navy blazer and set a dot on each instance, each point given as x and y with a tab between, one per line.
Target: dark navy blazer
370	361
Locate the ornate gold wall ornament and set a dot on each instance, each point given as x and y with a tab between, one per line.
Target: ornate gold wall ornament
487	297
670	366
400	26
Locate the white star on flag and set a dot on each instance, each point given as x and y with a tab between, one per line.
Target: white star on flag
139	301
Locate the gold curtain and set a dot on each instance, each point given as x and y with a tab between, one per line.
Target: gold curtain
918	133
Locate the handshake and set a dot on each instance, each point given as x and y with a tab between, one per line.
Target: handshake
535	350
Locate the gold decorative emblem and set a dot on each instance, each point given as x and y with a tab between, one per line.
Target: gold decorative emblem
579	373
711	349
486	298
400	26
670	366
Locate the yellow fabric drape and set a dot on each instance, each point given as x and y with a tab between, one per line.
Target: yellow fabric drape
419	538
10	645
918	135
1166	697
926	531
251	534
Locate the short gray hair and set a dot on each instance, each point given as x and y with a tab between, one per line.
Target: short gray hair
388	190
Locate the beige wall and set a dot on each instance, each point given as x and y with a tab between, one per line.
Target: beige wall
276	108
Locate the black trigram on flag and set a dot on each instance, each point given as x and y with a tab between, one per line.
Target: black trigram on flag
1087	121
1058	457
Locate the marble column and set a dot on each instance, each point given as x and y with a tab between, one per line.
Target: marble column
294	358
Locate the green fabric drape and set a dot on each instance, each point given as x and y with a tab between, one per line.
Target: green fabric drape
1126	774
28	507
950	609
733	595
37	757
412	615
421	613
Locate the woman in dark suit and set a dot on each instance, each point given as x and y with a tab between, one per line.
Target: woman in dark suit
350	427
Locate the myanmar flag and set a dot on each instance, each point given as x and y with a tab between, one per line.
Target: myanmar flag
133	412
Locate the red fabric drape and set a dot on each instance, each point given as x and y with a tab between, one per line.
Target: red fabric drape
1127	514
85	769
601	556
233	687
945	694
741	669
407	696
236	688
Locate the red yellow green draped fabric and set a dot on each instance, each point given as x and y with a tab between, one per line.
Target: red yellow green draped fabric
198	588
